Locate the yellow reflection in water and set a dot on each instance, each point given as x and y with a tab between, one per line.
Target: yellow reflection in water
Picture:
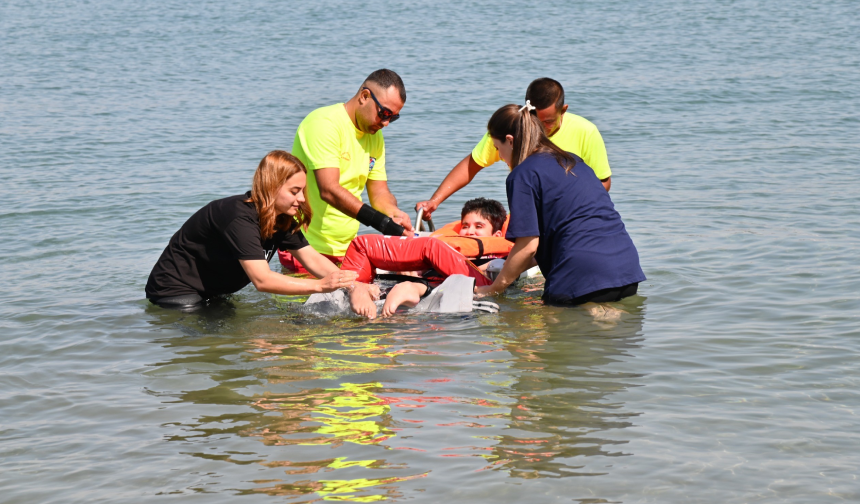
550	404
343	490
349	413
352	414
307	358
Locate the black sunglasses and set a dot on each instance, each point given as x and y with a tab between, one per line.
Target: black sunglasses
384	113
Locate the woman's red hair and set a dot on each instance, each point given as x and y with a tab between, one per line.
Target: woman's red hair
271	174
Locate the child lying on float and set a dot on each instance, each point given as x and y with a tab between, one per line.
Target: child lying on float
459	248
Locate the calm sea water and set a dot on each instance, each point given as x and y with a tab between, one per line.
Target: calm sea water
732	131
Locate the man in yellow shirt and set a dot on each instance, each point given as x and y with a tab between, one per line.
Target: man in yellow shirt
342	146
569	131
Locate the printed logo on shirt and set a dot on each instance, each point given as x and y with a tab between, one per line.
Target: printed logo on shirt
372	162
345	156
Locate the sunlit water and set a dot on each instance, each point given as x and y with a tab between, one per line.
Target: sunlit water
732	131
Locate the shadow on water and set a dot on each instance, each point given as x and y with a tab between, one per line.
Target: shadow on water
347	409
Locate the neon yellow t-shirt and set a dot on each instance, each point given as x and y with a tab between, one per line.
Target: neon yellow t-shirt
326	138
576	134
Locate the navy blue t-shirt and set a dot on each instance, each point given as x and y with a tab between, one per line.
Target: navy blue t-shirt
583	245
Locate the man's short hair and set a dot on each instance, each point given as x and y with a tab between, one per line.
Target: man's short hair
489	209
544	92
386	78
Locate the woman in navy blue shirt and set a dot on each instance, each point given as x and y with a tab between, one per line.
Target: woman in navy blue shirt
561	217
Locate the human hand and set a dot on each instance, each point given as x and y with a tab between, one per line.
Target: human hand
400	217
484	290
429	207
338	279
374	291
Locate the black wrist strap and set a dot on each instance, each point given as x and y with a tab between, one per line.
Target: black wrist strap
379	221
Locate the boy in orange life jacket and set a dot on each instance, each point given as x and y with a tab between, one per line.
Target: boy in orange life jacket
480	218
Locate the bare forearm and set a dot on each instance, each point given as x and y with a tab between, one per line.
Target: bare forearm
341	199
266	280
459	176
328	183
381	198
520	259
276	283
318	265
383	201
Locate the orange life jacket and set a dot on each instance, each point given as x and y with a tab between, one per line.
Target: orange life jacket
474	247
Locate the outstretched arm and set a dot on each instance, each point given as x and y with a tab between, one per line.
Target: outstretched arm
459	176
314	262
381	199
328	181
520	259
266	280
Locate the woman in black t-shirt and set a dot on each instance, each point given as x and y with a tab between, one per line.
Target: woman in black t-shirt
228	243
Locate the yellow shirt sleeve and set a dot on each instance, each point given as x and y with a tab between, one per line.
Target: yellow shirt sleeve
318	138
485	153
594	155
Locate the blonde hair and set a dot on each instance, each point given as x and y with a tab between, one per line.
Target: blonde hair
529	136
273	172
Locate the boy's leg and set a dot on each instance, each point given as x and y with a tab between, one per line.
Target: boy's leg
404	293
448	261
358	257
368	252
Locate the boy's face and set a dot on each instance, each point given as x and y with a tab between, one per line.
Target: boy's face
473	224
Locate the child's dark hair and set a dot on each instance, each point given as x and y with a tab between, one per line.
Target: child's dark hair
489	209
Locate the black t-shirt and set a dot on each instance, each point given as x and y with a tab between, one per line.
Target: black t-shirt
203	256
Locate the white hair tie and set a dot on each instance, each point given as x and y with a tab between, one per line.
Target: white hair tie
528	106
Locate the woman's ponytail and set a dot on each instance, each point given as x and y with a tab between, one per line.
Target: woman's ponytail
522	123
528	139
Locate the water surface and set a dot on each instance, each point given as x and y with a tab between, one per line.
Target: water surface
731	129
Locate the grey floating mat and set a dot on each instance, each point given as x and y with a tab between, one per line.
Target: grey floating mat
454	295
330	304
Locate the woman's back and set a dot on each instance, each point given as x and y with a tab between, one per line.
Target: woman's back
583	246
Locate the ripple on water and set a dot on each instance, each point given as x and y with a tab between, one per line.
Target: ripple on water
731	131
